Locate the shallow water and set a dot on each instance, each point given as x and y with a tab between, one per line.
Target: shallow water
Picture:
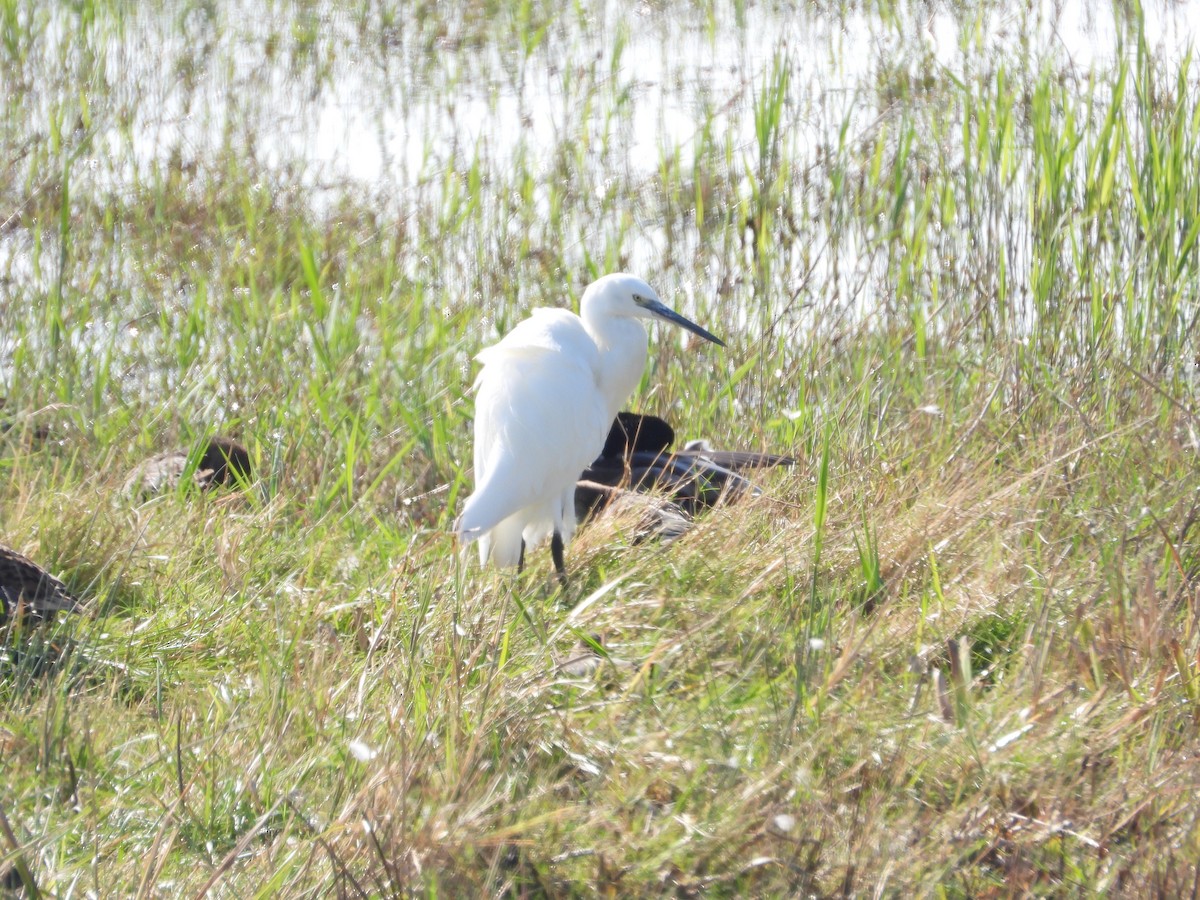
589	137
346	97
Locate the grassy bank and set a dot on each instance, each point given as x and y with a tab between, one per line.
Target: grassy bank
957	649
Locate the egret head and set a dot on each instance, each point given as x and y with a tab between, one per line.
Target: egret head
626	296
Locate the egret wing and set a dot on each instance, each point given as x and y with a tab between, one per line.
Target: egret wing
539	420
546	329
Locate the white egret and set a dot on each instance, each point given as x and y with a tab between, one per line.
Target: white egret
545	398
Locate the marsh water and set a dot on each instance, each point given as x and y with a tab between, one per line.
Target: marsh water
798	167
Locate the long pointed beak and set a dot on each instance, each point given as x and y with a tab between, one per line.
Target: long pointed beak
662	311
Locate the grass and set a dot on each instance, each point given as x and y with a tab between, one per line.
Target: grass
955	652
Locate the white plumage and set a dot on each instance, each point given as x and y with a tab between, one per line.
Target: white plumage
545	398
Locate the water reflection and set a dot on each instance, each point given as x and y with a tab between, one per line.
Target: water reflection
615	134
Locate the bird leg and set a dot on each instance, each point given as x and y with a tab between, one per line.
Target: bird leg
556	553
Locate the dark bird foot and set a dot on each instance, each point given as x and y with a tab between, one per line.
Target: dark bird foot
556	553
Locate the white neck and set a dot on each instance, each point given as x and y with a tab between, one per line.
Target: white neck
622	345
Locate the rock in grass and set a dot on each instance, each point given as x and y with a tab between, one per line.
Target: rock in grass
26	589
223	463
